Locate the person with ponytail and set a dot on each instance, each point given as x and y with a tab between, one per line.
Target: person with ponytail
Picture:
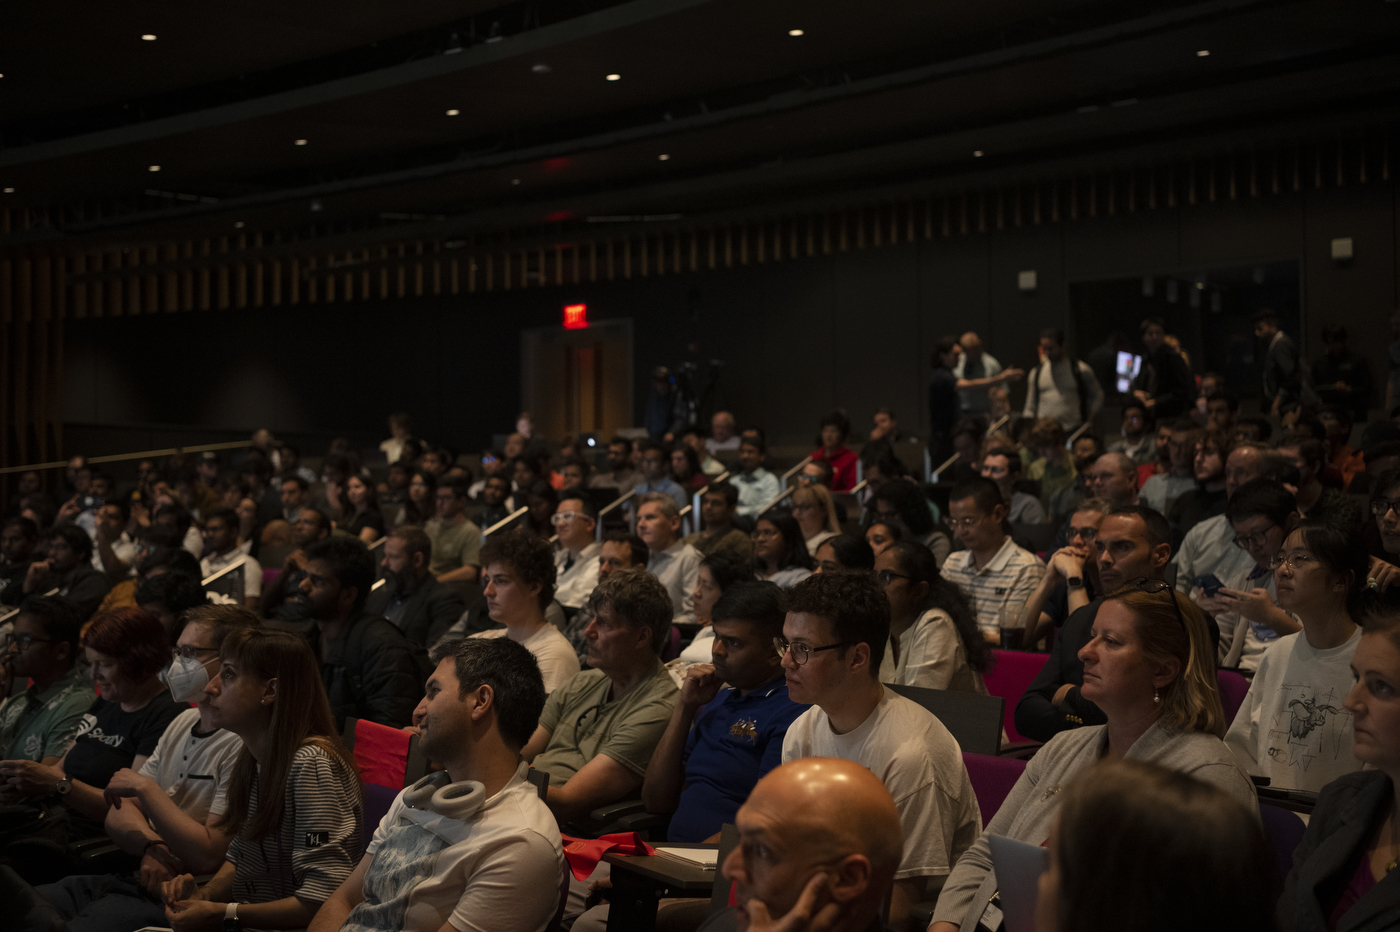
1150	666
294	804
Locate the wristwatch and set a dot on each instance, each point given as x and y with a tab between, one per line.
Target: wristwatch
65	786
231	923
1075	582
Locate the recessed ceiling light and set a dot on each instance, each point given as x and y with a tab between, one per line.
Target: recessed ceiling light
1203	53
540	68
614	77
300	142
1	75
153	168
149	37
977	153
515	181
238	224
9	190
794	32
664	157
453	112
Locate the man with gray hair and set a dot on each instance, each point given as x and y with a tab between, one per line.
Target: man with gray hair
674	562
598	731
976	371
722	434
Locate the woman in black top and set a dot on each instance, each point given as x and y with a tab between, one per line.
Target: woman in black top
127	647
361	510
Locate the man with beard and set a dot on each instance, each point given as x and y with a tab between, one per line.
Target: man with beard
67	567
471	846
282	600
368	667
411	597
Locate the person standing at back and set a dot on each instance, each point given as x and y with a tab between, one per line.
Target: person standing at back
1061	387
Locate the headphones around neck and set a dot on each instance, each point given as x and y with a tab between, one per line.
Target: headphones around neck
455	800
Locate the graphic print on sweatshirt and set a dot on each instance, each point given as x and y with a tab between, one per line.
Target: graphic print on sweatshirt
1310	724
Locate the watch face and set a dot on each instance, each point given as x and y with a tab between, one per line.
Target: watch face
62	787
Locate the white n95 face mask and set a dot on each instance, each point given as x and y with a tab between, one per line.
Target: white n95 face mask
187	678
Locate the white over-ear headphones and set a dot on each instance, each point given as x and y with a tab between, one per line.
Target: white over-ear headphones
454	800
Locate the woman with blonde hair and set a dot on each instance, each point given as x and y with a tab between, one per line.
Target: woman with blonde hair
1132	838
294	806
1150	666
815	512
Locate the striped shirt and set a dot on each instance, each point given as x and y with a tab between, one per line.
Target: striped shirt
1007	581
317	845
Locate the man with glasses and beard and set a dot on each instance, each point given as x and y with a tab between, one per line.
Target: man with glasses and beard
421	607
1133	542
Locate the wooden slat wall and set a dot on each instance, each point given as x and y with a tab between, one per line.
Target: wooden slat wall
42	285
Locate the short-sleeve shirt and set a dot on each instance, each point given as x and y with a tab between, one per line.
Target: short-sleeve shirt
193	766
454	546
734	741
553	652
317	845
583	723
1007	581
252	570
493	871
109	739
921	765
35	725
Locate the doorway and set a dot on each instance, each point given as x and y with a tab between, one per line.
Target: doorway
577	382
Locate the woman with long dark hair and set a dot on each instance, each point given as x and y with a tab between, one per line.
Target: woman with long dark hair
294	803
934	641
421	506
779	550
845	554
360	508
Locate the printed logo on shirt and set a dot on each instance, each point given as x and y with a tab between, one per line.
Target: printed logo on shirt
89	730
745	728
317	839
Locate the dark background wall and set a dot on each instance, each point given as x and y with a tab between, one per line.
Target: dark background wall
798	337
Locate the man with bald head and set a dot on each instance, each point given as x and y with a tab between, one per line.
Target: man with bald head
819	843
1209	547
976	371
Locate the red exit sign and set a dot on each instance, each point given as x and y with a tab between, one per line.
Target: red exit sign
575	316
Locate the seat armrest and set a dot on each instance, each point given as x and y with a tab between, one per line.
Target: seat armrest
1020	750
614	811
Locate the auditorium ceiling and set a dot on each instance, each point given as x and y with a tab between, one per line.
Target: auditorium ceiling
144	121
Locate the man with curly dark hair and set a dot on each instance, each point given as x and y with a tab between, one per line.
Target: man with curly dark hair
518	572
835	635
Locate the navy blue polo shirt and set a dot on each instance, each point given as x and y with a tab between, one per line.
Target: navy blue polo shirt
735	740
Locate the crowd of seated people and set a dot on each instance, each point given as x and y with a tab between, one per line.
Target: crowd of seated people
186	652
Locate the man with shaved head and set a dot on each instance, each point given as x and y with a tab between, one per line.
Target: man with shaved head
976	371
819	843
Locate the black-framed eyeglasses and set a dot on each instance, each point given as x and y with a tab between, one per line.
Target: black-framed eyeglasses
1086	534
1154	586
190	652
1380	507
24	640
888	576
1257	539
801	653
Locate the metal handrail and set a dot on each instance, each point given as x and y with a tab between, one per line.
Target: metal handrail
609	508
944	465
695	497
144	454
856	489
13	612
225	571
1078	432
782	481
378	542
506	520
781	495
992	427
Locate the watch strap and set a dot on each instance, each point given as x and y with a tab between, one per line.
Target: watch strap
231	923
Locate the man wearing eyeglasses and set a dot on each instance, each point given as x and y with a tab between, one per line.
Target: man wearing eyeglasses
1133	543
1071	579
835	635
1262	513
575	520
1209	547
38	723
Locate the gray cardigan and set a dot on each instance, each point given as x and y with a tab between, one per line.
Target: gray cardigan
1029	809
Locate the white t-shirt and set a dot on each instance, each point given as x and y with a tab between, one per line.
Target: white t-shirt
498	872
921	765
556	656
193	768
931	655
1292	727
701	649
